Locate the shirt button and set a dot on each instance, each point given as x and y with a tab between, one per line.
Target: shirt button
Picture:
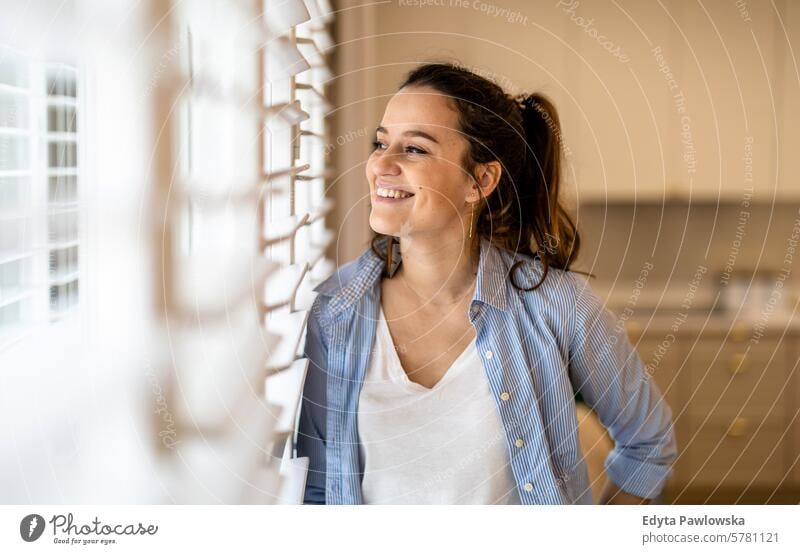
489	354
504	396
528	487
475	309
519	443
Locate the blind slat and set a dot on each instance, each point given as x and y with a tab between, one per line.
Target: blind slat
291	112
282	285
293	484
290	326
283	59
280	16
284	389
284	229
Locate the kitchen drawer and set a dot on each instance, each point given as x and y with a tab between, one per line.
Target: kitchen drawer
662	360
733	380
733	452
683	431
793	411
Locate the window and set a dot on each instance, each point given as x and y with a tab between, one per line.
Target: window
39	193
62	189
162	225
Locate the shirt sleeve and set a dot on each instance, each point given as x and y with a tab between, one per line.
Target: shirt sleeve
613	381
311	425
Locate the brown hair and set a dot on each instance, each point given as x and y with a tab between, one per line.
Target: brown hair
523	213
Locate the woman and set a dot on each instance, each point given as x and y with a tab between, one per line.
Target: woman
451	377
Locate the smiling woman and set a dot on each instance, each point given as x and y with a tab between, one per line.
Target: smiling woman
448	128
434	377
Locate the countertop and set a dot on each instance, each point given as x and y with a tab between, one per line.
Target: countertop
665	309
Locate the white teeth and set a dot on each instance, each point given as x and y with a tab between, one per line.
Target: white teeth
388	193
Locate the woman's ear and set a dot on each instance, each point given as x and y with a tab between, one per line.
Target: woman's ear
489	177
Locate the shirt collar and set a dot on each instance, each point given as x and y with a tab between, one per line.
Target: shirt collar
490	287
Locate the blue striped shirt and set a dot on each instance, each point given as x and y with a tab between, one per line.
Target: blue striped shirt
538	349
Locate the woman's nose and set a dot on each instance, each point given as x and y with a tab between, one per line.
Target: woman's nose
386	162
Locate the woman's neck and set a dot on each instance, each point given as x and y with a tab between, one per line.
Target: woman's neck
439	273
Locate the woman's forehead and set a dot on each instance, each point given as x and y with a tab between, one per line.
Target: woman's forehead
421	108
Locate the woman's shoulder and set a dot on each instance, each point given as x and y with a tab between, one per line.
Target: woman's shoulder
344	274
556	283
338	279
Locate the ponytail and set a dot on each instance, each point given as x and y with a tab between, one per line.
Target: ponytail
553	235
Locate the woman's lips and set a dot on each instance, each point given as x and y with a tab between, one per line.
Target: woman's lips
389	200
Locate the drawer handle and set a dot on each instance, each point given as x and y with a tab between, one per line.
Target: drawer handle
740	332
738	427
737	364
633	329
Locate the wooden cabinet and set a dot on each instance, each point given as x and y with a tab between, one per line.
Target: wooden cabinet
788	181
793	413
663	360
618	131
738	380
737	403
736	452
729	74
704	107
733	402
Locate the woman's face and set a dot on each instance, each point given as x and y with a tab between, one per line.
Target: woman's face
419	150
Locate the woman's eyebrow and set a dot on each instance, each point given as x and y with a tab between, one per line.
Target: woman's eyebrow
410	133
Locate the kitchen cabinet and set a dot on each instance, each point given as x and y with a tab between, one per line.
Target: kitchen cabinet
734	453
729	75
663	361
793	413
732	379
737	405
704	109
617	137
733	401
788	182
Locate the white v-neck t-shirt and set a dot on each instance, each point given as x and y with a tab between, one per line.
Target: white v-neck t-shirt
444	445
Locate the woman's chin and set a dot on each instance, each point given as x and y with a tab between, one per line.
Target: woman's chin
384	227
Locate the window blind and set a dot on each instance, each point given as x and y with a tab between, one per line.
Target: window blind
39	193
242	178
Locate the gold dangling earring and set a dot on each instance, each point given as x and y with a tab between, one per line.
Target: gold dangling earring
471	217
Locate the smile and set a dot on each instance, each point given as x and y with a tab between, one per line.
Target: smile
389	193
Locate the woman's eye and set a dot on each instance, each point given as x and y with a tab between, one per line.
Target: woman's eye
410	149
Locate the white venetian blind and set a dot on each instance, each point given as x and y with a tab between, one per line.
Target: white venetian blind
242	175
62	189
39	193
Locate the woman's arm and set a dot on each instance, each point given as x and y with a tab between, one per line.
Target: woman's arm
311	426
612	379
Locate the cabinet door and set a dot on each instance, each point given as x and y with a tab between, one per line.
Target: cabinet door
620	123
793	413
733	379
728	111
664	362
737	401
788	38
734	453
